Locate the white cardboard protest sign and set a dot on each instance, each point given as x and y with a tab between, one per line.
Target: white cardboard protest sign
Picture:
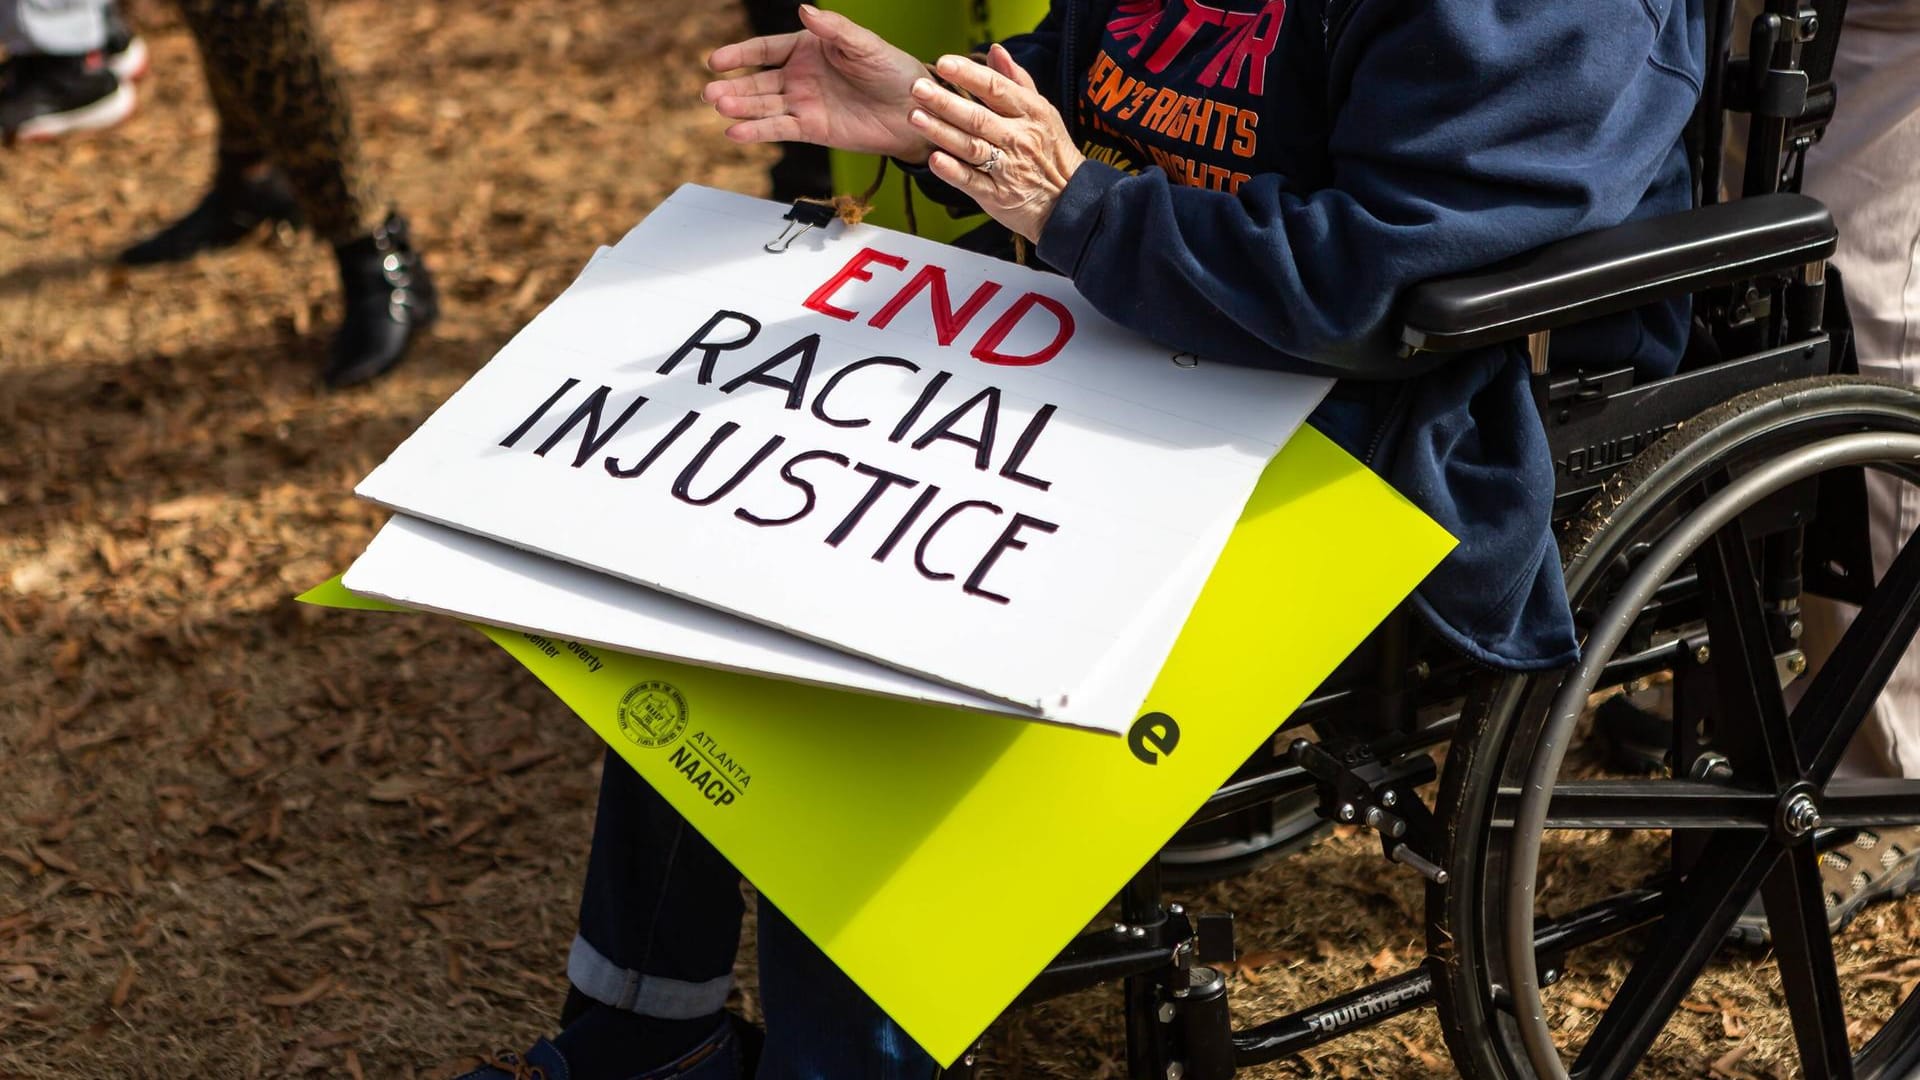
949	465
418	564
430	567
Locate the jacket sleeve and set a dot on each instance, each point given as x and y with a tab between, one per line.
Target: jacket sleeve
1460	133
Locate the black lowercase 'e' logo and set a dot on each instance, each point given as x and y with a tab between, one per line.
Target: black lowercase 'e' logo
652	714
1153	737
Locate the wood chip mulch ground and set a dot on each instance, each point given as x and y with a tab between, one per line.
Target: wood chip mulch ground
242	838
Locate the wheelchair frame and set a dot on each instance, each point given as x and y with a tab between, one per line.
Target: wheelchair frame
1756	268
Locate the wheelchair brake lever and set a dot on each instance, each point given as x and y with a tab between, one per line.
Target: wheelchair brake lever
1406	856
1357	789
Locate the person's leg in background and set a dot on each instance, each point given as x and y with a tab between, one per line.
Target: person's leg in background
57	79
1867	171
59	27
274	82
247	192
804	170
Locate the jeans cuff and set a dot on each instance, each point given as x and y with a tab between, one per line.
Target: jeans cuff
606	982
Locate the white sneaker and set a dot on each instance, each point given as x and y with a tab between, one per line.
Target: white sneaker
45	97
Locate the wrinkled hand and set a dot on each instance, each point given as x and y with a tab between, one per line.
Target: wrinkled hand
834	83
1036	155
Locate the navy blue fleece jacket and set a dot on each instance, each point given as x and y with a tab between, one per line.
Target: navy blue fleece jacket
1391	141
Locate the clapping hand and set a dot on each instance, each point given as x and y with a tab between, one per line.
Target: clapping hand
834	83
1008	148
838	84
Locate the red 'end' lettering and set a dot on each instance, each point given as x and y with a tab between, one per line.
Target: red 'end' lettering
855	270
988	350
947	323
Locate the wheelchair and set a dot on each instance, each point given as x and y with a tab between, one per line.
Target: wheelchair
1693	512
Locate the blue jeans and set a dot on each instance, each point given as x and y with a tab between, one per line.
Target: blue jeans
659	927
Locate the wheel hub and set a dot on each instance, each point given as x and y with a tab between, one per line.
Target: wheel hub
1799	815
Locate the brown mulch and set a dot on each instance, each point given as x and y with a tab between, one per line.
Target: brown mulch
243	838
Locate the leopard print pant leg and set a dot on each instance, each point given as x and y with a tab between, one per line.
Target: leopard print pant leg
242	144
275	85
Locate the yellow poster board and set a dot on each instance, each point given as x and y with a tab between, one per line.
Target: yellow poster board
879	826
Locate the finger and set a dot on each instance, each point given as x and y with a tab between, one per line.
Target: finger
968	148
754	52
1002	61
994	90
838	30
969	116
751	107
760	82
771	129
960	174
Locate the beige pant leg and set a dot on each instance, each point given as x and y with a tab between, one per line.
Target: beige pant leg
1867	170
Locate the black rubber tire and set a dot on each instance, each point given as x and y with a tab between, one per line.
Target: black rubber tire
1191	859
1500	724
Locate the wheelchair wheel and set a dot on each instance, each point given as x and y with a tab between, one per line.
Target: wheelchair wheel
1243	843
1646	875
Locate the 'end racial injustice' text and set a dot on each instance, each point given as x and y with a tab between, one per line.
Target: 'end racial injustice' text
730	350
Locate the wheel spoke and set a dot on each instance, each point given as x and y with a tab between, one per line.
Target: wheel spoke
1645	804
1803	947
1617	914
1705	906
1852	678
1745	679
1870	804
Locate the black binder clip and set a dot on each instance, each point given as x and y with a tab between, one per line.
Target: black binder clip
803	217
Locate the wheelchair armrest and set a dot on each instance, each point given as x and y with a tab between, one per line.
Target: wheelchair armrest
1616	269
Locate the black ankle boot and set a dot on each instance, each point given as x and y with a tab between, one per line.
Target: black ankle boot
387	294
228	214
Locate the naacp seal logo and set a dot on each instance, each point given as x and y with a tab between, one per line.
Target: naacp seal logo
652	714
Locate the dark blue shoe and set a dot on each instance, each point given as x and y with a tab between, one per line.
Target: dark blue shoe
543	1062
718	1058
